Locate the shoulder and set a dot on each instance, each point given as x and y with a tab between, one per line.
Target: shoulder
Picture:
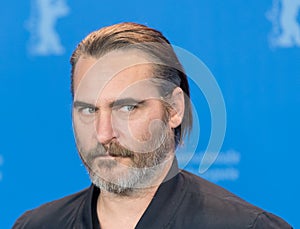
54	214
218	208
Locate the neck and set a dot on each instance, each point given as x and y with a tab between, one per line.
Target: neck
118	211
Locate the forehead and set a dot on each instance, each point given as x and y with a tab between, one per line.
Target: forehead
119	73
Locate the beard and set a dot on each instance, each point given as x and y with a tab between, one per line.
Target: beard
110	174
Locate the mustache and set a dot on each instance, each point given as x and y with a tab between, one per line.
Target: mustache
113	149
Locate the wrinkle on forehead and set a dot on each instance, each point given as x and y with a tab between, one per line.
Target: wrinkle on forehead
110	74
110	64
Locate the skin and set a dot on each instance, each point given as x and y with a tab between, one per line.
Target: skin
116	102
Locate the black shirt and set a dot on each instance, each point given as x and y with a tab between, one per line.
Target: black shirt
183	201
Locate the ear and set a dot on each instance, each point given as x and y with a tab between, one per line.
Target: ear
176	108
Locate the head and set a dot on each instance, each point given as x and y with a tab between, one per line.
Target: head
126	78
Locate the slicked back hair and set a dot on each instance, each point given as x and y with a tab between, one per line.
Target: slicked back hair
125	36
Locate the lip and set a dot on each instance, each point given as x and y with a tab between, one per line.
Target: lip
108	156
105	156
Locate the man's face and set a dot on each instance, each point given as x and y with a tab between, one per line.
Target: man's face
120	122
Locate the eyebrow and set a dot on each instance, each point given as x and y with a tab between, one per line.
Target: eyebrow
126	101
116	103
82	104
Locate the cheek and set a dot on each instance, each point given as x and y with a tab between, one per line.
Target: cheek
130	128
139	129
142	128
146	136
84	132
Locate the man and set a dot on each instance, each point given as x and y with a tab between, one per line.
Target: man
131	110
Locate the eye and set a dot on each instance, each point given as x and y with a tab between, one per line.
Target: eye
87	110
127	108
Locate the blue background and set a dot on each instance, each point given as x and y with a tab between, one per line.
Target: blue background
260	85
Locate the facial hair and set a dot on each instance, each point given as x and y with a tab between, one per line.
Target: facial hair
140	174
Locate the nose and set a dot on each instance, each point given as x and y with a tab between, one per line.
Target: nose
104	127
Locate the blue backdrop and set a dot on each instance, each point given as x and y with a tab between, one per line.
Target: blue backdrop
251	47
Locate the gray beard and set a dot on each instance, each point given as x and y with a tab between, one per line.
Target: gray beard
130	184
147	167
